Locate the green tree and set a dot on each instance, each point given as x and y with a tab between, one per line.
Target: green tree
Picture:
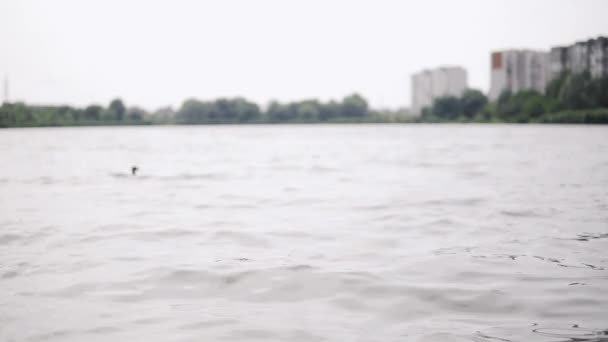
579	91
308	111
446	108
93	113
511	107
43	116
487	113
246	111
533	107
504	107
192	111
118	109
65	115
471	102
354	106
279	112
136	114
554	86
329	111
163	116
602	85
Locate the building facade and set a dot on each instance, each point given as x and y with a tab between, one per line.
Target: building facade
517	70
428	85
590	55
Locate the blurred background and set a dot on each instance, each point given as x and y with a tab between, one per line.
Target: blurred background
304	171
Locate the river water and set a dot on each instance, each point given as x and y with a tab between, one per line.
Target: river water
304	233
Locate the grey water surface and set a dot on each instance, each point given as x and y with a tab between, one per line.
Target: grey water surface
304	233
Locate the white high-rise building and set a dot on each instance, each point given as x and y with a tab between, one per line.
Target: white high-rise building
428	85
590	55
517	70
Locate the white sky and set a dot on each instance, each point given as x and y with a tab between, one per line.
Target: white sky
157	53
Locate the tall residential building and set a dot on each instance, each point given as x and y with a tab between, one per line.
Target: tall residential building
428	85
517	70
590	55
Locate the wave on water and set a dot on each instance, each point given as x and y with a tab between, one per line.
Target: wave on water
536	332
179	177
591	236
432	234
521	213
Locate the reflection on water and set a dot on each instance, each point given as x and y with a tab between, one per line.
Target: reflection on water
305	233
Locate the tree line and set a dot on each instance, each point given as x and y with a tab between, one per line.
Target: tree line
569	98
352	108
22	115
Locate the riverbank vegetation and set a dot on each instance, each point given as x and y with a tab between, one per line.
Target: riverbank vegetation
571	98
351	109
22	115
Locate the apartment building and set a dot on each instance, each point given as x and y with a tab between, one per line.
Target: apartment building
430	84
517	70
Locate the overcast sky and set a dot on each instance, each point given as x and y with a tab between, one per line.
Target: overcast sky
157	53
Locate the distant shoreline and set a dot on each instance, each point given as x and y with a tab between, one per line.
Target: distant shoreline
354	123
569	99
